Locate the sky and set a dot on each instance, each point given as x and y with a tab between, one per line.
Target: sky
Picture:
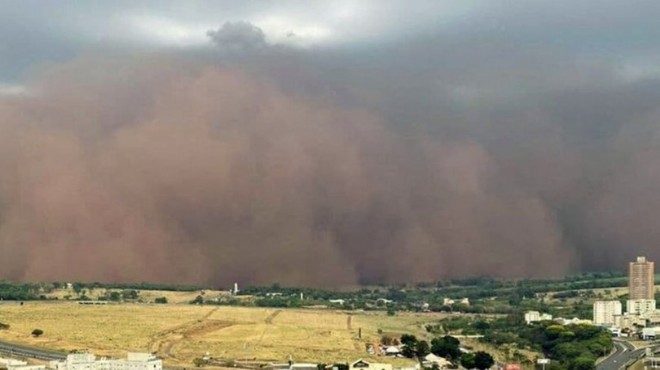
327	143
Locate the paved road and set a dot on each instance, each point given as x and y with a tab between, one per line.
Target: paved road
14	350
624	352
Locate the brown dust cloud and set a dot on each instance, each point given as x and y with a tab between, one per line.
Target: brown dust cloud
168	169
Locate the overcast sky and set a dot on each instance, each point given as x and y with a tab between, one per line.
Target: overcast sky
519	131
36	32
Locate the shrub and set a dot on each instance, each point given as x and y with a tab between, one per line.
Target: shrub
161	300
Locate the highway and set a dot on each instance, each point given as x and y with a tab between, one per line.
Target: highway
14	350
624	353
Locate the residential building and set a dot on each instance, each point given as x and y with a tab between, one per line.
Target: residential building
535	316
640	306
641	280
606	311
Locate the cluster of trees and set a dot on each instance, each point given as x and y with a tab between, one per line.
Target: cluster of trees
125	295
574	347
447	347
18	291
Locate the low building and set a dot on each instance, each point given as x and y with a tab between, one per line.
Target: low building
87	361
303	367
535	316
573	321
649	333
7	362
441	362
365	365
26	367
605	312
392	351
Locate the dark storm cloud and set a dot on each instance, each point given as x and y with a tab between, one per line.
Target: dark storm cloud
431	141
238	35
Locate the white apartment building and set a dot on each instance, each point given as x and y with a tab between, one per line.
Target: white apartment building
87	361
640	306
606	311
535	316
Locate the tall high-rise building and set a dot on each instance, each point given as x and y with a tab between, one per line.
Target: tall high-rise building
605	312
641	279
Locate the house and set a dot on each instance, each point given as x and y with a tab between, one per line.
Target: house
432	359
337	301
392	351
364	365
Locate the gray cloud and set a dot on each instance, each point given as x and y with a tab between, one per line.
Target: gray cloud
238	36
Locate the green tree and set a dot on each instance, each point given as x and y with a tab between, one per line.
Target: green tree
130	294
161	300
483	360
422	349
409	343
37	332
447	347
583	363
467	360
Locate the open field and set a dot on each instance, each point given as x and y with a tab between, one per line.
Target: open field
180	333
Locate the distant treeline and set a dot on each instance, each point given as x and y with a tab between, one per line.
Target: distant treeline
134	286
486	295
15	291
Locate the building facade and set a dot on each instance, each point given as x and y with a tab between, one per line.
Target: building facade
535	316
640	306
87	361
605	312
641	280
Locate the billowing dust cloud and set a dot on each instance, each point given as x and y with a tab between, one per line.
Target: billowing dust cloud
192	172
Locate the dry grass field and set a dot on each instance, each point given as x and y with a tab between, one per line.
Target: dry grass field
145	295
181	332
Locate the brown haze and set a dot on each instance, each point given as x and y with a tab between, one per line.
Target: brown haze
193	172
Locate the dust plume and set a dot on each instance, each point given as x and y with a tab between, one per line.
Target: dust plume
187	171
